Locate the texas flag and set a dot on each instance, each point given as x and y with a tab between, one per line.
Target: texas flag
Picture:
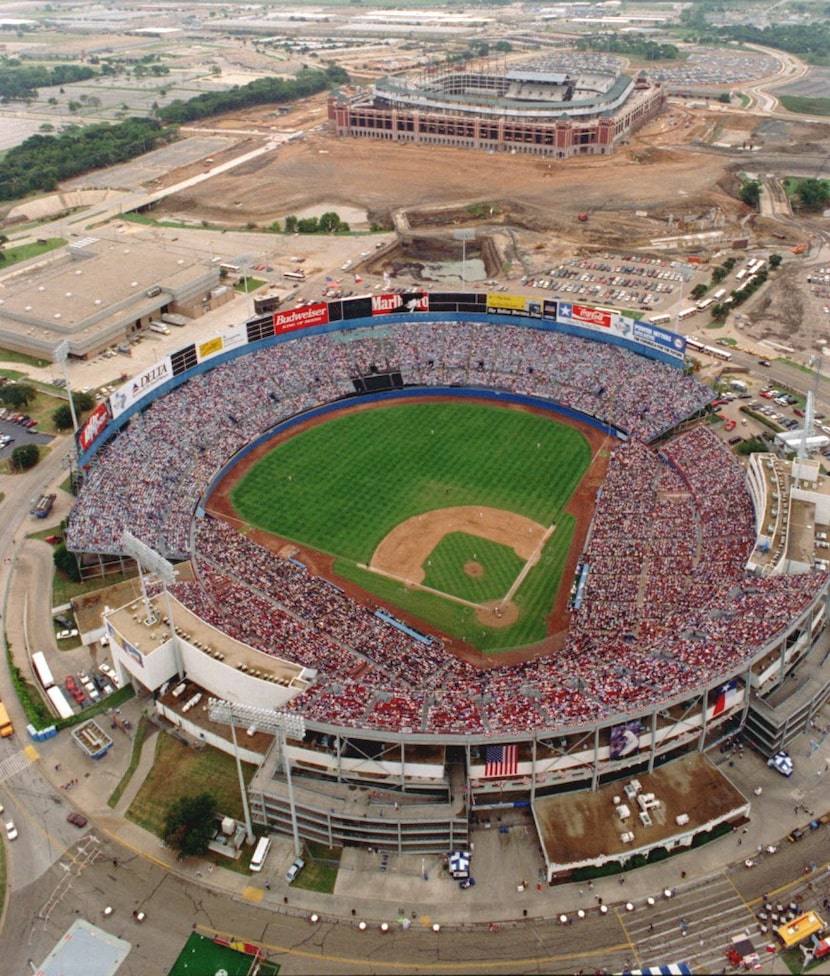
357	279
727	696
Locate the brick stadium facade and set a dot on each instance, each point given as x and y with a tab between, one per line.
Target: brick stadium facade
536	109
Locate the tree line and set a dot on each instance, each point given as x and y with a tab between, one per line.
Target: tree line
42	161
635	45
260	92
20	82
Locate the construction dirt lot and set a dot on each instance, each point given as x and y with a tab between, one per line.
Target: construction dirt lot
649	188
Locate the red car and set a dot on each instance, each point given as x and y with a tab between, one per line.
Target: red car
69	681
76	818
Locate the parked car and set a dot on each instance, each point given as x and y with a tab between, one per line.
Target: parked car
782	762
53	540
465	883
63	621
67	634
69	681
78	819
11	830
764	362
294	870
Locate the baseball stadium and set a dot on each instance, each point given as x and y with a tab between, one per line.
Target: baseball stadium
482	550
562	106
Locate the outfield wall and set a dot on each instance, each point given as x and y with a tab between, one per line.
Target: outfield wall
583	321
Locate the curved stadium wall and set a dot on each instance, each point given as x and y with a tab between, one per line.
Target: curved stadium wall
568	741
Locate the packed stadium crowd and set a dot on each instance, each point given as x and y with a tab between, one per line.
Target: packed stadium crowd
667	608
636	639
151	476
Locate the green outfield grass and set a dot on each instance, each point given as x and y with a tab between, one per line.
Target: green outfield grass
343	485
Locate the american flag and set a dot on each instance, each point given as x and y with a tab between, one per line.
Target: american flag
330	280
501	760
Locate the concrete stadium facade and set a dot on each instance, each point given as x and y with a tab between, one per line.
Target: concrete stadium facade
339	781
541	109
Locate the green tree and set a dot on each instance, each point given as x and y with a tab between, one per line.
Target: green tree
775	261
291	224
813	193
329	222
66	562
750	193
62	417
725	97
189	823
17	394
24	457
83	401
698	291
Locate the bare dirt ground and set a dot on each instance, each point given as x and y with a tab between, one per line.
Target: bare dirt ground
532	194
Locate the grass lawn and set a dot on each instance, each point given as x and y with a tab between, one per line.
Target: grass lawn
342	486
321	866
805	105
180	770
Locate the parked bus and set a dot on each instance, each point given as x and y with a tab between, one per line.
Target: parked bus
719	294
6	727
260	853
230	268
662	319
741	274
43	506
42	670
58	699
702	306
294	275
687	313
717	351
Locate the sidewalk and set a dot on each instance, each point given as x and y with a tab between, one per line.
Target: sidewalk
412	884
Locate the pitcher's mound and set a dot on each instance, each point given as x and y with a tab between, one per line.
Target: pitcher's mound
474	569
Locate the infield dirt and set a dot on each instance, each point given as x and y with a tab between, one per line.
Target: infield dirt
580	506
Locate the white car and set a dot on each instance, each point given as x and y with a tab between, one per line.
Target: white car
294	870
67	634
781	761
11	830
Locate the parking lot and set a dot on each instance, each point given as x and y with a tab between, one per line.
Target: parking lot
12	435
634	279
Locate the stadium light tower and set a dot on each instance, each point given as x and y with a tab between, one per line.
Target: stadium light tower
279	724
61	355
464	236
148	559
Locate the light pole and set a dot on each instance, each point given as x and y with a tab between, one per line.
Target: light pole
150	560
61	355
464	236
279	724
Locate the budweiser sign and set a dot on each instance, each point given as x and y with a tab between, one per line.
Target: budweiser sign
301	318
95	425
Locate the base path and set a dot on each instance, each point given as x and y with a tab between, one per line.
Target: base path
403	552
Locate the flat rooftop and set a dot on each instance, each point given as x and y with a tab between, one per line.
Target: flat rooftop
584	826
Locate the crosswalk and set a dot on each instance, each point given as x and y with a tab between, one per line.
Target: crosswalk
16	763
692	927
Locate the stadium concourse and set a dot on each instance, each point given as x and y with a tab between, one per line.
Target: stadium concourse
663	645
